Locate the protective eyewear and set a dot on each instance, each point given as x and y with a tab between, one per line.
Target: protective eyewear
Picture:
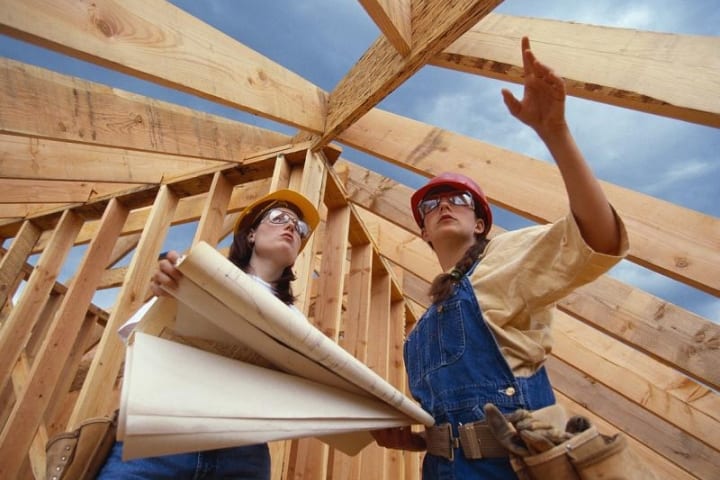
281	217
459	199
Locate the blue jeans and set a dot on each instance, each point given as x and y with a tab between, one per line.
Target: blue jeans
250	462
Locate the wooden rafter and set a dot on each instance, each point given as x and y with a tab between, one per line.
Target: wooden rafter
393	17
666	74
435	24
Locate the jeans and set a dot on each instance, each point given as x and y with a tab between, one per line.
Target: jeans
249	462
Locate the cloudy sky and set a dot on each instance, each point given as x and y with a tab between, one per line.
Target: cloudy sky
321	39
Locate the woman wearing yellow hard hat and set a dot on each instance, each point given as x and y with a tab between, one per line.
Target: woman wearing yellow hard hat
267	238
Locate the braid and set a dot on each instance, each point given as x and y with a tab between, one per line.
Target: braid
443	285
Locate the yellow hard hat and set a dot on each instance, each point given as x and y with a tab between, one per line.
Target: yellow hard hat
308	212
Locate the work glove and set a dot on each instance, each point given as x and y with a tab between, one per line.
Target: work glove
524	435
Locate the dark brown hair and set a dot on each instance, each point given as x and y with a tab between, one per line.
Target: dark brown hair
443	285
241	251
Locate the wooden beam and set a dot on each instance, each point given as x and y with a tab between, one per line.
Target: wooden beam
37	159
42	103
12	262
515	182
375	457
168	46
435	24
393	18
666	74
40	192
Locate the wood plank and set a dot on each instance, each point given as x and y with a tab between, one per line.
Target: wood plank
312	186
19	324
44	191
393	18
661	73
690	252
79	111
395	465
12	262
170	47
93	397
333	267
36	453
435	24
37	159
211	221
374	464
328	309
13	214
354	339
248	189
683	450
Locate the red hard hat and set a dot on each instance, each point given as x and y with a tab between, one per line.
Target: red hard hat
456	181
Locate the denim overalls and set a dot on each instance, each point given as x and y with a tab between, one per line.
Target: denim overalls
454	367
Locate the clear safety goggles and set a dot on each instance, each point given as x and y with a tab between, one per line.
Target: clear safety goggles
457	198
281	217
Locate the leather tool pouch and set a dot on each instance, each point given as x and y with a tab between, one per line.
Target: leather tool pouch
79	454
586	456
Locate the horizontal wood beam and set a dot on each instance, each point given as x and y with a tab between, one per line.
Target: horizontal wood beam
435	24
515	182
671	75
38	159
156	41
41	103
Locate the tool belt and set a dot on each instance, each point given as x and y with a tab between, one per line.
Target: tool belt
475	439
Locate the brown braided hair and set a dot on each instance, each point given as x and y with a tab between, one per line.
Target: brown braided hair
443	284
241	251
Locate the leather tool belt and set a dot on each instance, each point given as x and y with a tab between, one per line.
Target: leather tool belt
475	439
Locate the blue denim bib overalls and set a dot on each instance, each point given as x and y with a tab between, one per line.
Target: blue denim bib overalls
454	367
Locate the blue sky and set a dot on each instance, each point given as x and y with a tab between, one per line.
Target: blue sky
321	39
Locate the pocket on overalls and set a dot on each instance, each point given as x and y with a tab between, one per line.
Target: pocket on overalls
436	341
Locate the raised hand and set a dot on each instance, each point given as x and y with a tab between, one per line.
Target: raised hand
543	104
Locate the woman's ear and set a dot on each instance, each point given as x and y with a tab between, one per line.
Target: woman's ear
479	226
251	237
424	235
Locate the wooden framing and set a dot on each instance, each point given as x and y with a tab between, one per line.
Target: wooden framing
112	172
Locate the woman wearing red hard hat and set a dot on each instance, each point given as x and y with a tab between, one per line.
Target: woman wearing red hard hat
487	334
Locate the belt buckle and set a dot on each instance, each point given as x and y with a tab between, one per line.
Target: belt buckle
453	442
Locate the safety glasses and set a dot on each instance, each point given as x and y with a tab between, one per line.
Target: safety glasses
281	217
457	198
